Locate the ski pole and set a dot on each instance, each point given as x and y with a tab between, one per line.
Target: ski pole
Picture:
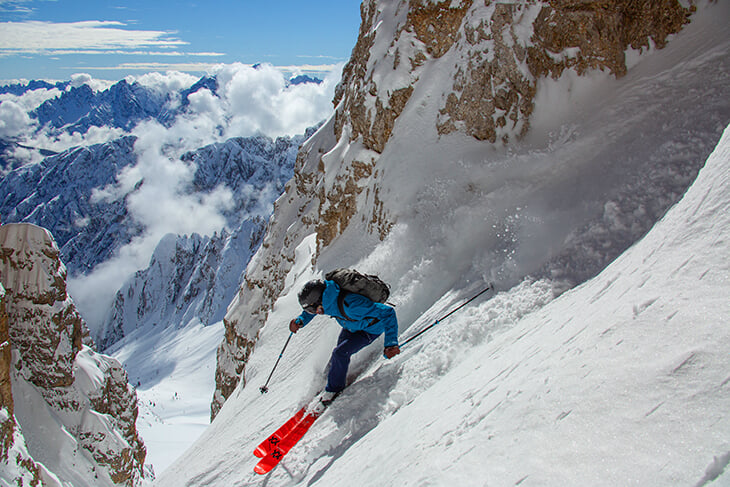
264	389
491	286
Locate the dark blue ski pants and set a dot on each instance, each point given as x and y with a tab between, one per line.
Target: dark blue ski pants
348	344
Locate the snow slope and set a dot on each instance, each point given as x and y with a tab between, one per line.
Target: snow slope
174	375
620	381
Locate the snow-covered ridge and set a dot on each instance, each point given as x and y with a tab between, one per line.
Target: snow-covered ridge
189	280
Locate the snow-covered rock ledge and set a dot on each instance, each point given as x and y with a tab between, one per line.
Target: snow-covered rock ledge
69	417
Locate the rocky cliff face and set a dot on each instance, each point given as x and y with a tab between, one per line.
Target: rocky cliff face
494	55
500	49
13	451
64	396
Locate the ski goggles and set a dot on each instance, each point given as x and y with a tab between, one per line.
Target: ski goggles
311	309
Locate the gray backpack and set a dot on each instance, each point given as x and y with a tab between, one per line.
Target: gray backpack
352	281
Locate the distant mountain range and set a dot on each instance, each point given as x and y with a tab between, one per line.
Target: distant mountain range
58	194
20	88
123	105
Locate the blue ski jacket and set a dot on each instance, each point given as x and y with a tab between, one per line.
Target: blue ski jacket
366	315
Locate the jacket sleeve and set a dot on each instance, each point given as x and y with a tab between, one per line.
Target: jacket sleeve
390	325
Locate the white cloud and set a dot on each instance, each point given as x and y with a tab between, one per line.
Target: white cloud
14	7
171	82
14	119
48	37
30	100
258	100
79	79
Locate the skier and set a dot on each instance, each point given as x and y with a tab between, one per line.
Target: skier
361	319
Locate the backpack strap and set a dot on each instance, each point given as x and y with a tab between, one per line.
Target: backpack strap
341	305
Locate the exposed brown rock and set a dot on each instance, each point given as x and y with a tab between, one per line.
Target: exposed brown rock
493	96
350	91
45	327
600	31
493	92
380	222
437	25
235	349
7	426
117	399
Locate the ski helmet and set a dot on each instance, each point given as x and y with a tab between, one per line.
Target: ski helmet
311	295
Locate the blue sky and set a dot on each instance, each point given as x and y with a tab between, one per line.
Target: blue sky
53	39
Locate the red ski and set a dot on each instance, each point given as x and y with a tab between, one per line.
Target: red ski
282	445
273	441
273	458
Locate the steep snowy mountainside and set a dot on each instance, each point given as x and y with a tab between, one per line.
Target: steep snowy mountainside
70	416
58	194
402	182
189	279
620	381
